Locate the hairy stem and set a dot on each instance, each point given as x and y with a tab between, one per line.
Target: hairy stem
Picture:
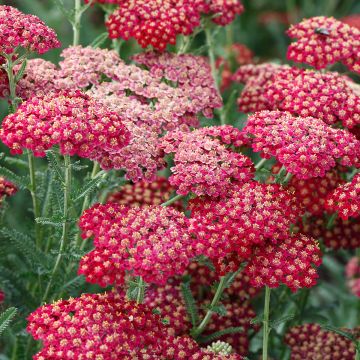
141	291
266	328
76	23
65	229
172	200
260	164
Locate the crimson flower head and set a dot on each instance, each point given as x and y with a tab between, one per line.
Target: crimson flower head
307	147
28	31
7	188
79	125
97	326
322	41
290	262
152	242
310	341
345	199
203	164
224	11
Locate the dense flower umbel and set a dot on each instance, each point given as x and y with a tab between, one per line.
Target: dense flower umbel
322	41
352	20
79	125
353	275
152	242
248	215
192	74
145	193
203	165
310	342
326	96
290	262
7	188
307	147
155	22
224	11
343	234
313	192
28	31
345	199
98	327
256	79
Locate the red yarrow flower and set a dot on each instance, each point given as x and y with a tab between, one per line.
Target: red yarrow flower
27	31
307	147
152	242
322	41
345	199
7	188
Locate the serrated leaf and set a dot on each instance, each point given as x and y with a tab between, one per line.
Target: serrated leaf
55	165
90	186
275	323
99	40
190	303
6	317
257	320
219	309
21	71
20	181
217	334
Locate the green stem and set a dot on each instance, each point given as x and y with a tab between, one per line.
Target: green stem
287	178
12	83
141	291
357	356
266	329
172	200
76	23
211	53
65	229
260	164
35	202
331	220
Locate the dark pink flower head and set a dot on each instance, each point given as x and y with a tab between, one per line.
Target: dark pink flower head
249	214
145	193
7	188
224	11
191	74
290	262
353	275
203	164
256	79
79	125
322	41
342	235
310	341
96	326
28	31
307	147
152	242
352	20
345	199
326	96
312	193
155	23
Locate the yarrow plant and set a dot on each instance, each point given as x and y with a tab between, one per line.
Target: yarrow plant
145	213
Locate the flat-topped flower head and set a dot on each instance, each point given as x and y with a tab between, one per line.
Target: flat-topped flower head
322	41
352	272
96	326
247	215
155	23
79	125
22	30
152	242
307	147
310	341
326	96
345	199
291	262
203	164
224	11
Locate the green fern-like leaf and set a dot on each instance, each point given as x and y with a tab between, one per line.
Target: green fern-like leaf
217	334
90	186
21	181
6	317
190	303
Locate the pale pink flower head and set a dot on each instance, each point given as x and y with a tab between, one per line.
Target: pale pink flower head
204	164
27	31
345	199
152	242
79	125
322	41
353	275
97	326
307	147
291	262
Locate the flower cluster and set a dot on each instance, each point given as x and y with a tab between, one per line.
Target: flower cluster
28	31
96	326
322	41
290	262
326	96
7	188
307	147
71	120
353	275
309	342
152	242
249	214
345	199
203	165
342	235
145	193
224	11
313	192
256	79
